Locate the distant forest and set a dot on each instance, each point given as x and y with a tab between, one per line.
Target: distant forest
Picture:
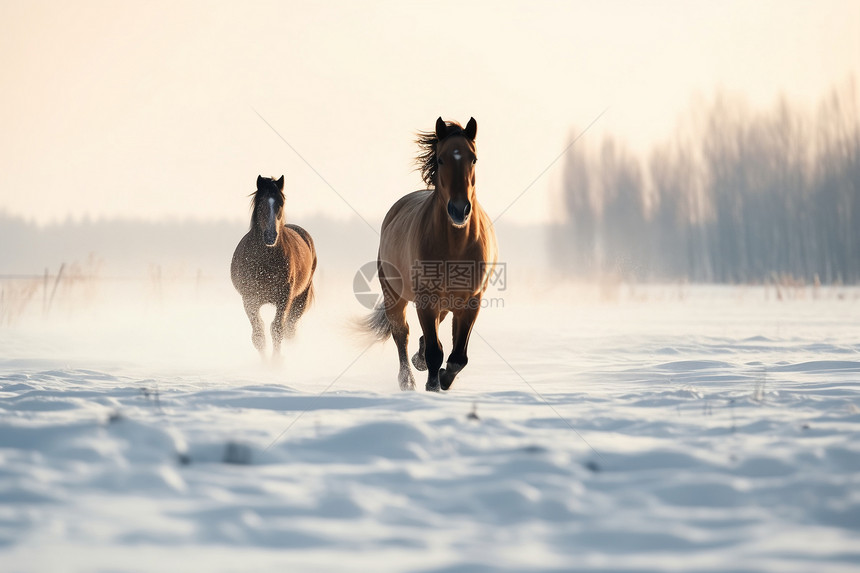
734	196
116	247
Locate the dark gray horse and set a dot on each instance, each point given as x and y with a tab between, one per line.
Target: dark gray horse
274	263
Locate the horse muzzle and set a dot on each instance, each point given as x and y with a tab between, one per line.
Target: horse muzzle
459	211
270	238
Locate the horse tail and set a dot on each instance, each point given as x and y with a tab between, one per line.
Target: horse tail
376	324
310	296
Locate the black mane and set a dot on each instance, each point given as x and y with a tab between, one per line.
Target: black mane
426	159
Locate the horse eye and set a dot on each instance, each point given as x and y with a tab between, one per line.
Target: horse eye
474	161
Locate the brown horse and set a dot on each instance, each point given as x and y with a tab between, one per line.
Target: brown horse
274	263
444	242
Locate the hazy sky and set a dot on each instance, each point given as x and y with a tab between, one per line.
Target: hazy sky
147	110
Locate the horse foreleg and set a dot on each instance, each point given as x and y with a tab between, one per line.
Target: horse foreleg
429	319
258	337
418	358
464	320
278	325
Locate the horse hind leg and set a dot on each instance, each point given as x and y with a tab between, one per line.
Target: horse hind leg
396	314
258	336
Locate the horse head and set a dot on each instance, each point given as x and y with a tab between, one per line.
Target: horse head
269	208
455	168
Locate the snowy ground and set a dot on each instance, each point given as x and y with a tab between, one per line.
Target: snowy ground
669	429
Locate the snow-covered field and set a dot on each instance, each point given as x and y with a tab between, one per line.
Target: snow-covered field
669	429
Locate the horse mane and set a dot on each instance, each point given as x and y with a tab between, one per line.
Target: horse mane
426	159
257	196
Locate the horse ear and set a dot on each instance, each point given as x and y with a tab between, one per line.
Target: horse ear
471	129
259	181
280	183
441	129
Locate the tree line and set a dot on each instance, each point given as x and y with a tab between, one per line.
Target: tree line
735	195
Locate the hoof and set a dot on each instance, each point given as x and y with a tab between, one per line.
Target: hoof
445	379
418	362
259	342
432	386
407	382
447	375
